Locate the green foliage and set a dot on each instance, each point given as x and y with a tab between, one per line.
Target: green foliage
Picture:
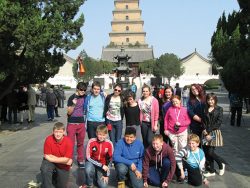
212	84
147	66
168	65
92	67
33	36
231	49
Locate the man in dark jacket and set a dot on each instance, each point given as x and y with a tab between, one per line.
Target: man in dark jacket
158	164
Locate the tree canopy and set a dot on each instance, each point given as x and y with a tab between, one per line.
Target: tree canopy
33	36
92	67
168	65
231	49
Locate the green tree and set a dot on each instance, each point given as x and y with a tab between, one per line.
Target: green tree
147	66
168	65
33	36
92	67
231	49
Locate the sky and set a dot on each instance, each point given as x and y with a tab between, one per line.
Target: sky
171	26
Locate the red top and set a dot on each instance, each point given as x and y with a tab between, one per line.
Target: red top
99	153
64	148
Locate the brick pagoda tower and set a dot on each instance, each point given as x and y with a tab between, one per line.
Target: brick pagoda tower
127	31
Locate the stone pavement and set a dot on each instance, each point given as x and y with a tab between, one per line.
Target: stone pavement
21	148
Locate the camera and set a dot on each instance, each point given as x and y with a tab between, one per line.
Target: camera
176	127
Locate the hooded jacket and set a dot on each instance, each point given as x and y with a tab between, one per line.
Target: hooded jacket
153	159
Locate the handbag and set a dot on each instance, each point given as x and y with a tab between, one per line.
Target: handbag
218	139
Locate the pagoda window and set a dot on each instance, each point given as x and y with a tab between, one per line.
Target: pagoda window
127	28
127	39
126	6
127	17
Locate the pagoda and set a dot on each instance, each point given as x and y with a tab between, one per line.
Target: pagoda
127	31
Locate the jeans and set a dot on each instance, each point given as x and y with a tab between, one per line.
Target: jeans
14	111
77	131
147	133
116	132
47	172
122	170
91	128
91	173
50	111
156	177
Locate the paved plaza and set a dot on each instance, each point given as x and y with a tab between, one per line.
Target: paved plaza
21	151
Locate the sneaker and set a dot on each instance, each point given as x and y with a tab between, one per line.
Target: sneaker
222	171
180	180
81	165
209	174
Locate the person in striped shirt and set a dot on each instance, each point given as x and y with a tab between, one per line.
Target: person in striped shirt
192	158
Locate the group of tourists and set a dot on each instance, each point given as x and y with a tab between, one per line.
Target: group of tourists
162	138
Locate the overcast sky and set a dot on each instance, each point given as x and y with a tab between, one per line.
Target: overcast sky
171	26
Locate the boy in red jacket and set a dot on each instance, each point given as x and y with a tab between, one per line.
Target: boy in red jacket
99	154
158	164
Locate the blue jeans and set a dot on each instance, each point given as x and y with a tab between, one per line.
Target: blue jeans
116	132
50	111
47	172
91	173
122	170
157	176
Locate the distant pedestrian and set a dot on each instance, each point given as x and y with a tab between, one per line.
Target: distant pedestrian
31	103
133	87
149	115
22	102
196	107
76	128
177	90
185	96
114	113
12	103
51	103
57	158
212	135
94	109
236	105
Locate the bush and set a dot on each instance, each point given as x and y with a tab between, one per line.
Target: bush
212	84
66	87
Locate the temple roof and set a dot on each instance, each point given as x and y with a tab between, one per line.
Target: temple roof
137	54
183	60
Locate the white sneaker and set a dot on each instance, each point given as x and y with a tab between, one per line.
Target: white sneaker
209	174
222	171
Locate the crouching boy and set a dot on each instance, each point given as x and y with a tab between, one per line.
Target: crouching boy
99	154
192	158
58	150
128	157
158	164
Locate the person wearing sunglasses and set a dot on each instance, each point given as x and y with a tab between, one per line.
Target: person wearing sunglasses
114	113
76	127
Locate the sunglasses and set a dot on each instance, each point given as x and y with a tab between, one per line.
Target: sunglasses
82	89
118	90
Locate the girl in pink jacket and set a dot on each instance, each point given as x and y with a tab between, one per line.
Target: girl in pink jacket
176	123
149	115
